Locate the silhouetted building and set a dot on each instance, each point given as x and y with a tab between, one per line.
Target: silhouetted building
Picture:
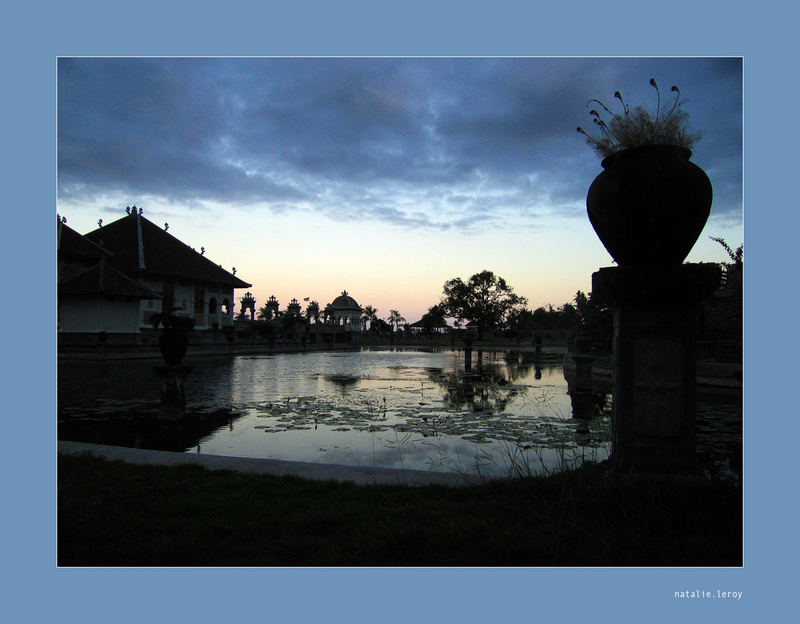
434	327
93	296
345	313
182	277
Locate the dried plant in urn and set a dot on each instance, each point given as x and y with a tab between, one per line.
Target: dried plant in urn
650	204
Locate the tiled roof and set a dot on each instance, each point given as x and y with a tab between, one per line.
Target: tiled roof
73	244
102	279
160	253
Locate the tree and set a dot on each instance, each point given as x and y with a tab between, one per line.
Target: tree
595	319
312	311
521	323
731	271
369	315
380	326
263	313
434	317
395	319
484	299
736	256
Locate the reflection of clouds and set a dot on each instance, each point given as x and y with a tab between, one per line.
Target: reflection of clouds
369	408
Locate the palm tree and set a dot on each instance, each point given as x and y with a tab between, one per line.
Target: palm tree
369	315
395	319
312	311
263	313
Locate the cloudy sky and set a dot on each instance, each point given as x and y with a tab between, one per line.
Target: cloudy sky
385	177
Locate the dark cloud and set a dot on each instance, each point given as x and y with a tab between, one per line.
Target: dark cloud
362	138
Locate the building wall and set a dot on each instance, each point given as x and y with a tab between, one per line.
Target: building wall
81	315
184	297
341	316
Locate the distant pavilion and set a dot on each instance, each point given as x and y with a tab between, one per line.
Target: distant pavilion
344	313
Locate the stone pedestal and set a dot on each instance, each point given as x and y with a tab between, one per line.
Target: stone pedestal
173	395
580	390
654	361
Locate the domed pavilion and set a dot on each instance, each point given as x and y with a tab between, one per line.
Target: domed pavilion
344	313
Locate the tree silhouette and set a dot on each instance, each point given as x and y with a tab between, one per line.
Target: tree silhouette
312	311
369	315
484	299
395	319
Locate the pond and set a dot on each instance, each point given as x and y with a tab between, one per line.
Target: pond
399	408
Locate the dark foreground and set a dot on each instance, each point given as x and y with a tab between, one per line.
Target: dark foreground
117	514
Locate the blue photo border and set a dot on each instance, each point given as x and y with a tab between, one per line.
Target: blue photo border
39	591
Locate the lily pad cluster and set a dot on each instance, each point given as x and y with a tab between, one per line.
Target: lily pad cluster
413	414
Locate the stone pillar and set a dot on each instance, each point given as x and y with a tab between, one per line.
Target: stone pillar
468	351
580	390
173	395
654	361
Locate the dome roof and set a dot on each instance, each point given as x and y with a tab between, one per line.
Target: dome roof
345	302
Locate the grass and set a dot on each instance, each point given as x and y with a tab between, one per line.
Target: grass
118	514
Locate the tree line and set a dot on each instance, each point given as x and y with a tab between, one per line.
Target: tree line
485	303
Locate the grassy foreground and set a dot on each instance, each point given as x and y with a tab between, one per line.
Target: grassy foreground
117	514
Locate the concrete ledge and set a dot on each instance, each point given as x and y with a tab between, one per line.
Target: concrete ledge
318	472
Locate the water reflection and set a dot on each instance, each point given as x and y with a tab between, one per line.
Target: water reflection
400	408
344	382
145	432
487	390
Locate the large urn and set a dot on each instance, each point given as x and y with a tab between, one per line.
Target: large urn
173	343
649	205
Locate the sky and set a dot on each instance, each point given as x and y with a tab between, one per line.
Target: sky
384	177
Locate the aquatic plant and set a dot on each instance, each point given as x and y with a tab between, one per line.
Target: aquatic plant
636	126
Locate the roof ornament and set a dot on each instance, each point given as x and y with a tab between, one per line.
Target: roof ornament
63	219
234	270
141	210
202	250
127	209
166	227
99	223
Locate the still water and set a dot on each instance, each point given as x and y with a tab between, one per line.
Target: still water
398	408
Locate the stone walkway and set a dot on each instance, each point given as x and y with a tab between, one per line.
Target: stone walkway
319	472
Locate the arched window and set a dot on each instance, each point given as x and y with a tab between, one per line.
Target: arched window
212	305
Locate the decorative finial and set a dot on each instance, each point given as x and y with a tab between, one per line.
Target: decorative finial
234	270
202	250
141	210
99	223
166	227
63	219
127	209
